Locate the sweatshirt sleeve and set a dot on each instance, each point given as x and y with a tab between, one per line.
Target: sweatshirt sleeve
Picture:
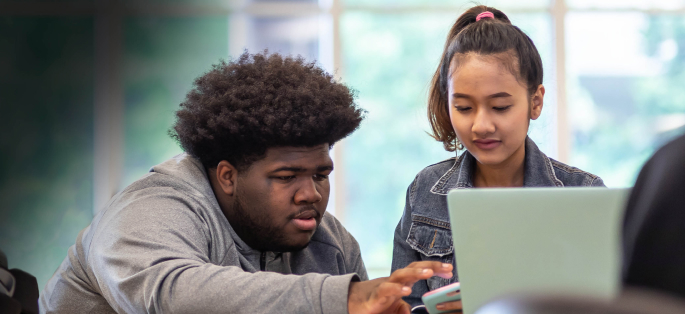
152	257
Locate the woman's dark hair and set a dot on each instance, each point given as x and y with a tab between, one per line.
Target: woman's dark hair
239	109
488	36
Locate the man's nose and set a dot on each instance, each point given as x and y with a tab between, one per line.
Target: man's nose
307	193
482	124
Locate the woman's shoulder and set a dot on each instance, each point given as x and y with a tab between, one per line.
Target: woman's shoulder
426	194
433	172
572	176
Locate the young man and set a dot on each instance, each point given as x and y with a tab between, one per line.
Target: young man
237	224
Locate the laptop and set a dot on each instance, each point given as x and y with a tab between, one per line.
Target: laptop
536	240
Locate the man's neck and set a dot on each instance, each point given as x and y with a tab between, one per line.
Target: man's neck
509	173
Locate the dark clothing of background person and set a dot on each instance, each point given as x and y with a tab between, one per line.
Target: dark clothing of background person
654	223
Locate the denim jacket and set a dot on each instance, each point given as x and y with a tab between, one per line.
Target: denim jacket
424	234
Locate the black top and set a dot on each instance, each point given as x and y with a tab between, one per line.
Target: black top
654	223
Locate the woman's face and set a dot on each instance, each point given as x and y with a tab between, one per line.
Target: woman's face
490	110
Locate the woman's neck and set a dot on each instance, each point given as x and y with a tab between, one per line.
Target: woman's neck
509	173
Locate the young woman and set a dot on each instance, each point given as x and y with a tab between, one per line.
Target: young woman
484	93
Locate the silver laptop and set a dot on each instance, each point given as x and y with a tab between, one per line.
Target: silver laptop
531	240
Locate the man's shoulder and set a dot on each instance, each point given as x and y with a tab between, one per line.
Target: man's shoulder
157	201
179	179
154	193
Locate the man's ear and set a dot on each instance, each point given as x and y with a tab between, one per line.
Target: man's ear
227	176
537	101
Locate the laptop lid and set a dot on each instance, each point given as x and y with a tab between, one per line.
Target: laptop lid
521	240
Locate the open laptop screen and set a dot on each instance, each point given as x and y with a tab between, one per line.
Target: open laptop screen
552	240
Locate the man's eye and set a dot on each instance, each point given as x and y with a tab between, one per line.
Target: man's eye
502	108
321	177
285	178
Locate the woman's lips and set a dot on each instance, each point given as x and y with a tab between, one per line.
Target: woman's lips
487	144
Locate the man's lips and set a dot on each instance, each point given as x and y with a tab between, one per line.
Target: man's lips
310	213
487	143
306	220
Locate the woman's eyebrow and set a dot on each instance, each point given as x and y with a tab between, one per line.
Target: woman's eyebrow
460	95
499	95
495	95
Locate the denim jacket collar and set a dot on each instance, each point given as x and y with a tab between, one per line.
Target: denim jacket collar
538	171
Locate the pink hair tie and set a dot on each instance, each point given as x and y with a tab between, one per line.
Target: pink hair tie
484	15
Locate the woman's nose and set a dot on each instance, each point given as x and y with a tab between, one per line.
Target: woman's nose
482	124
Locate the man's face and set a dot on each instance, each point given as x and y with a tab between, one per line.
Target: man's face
279	200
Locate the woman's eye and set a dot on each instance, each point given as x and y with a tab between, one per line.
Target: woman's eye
502	108
462	109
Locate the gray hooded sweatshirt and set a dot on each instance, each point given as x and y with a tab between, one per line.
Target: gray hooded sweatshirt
163	245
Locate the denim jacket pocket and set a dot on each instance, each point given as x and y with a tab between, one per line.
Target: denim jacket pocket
432	238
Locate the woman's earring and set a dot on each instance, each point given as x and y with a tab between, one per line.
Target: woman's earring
458	145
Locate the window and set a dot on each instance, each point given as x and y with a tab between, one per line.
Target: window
46	138
161	58
622	70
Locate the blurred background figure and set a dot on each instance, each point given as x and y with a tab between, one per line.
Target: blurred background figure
88	89
18	290
654	225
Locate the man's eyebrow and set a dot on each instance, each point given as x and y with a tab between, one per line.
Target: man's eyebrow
324	168
291	169
301	169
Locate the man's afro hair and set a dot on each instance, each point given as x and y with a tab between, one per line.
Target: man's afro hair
239	109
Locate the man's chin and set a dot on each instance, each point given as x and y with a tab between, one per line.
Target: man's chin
300	247
291	247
